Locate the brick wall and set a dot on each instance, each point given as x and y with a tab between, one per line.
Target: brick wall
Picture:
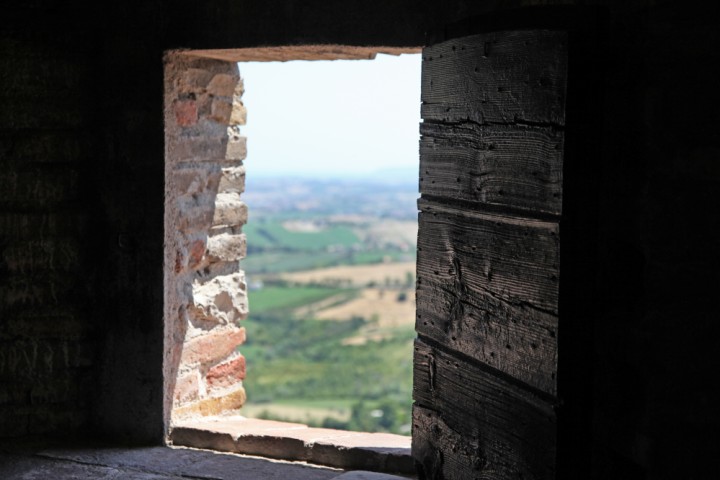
205	292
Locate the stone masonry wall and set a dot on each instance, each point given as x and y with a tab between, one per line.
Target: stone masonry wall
48	353
205	291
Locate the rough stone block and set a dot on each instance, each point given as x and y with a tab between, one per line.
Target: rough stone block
229	210
226	247
222	299
223	85
187	388
236	148
226	374
221	110
197	148
212	347
232	180
239	112
194	78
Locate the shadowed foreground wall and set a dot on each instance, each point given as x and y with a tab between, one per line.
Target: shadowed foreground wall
81	216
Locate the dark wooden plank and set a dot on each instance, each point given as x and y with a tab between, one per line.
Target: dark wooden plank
515	166
517	340
470	424
487	286
501	77
515	260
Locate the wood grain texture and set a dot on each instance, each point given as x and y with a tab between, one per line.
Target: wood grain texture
514	166
470	424
487	287
515	260
502	77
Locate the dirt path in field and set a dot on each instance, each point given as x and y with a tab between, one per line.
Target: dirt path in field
360	275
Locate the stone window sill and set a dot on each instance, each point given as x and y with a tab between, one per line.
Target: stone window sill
379	452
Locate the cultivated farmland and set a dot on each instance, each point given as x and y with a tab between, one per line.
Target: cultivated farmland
332	310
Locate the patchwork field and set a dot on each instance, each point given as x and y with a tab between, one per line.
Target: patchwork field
331	276
381	274
338	357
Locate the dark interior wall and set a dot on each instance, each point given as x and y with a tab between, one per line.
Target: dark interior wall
81	154
48	153
657	245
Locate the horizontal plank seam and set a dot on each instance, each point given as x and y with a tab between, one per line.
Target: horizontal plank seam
544	396
481	209
516	122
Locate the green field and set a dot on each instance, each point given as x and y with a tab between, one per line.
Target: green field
264	235
295	361
283	298
268	262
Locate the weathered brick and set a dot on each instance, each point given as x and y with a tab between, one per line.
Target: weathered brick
196	253
227	373
229	210
232	180
226	247
196	179
196	219
212	347
186	112
233	400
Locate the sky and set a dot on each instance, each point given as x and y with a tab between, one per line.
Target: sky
339	118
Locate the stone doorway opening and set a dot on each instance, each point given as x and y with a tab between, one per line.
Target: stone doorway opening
205	289
332	187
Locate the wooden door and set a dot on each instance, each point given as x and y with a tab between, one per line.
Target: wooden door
491	184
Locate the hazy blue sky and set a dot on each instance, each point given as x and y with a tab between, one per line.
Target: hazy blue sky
332	118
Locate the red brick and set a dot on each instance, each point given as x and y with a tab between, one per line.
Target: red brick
186	112
227	373
196	253
212	347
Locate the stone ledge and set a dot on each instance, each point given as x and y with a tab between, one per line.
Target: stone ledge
379	452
